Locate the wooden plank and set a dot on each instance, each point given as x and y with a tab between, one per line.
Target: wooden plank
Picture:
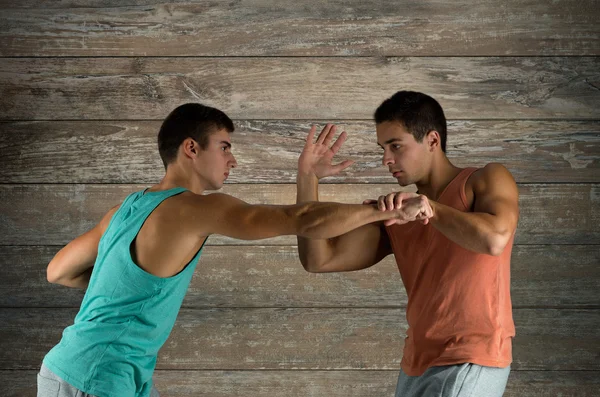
259	276
125	151
55	214
292	88
321	383
259	27
264	338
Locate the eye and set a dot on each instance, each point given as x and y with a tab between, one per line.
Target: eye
396	147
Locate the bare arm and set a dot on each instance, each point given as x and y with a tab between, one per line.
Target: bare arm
220	213
72	265
489	228
355	250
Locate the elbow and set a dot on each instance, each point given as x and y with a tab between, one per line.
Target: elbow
497	243
311	266
53	274
313	269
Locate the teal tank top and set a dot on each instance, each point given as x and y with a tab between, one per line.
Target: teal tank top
126	314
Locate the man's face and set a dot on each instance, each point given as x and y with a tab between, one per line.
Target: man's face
406	159
214	163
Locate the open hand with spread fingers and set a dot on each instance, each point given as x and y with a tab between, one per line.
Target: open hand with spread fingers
409	206
317	157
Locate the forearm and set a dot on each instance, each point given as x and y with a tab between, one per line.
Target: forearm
72	265
327	220
319	220
312	252
475	231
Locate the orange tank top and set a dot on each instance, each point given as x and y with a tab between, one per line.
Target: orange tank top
459	308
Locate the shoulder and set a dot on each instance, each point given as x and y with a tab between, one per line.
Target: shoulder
492	174
202	209
103	225
202	202
494	182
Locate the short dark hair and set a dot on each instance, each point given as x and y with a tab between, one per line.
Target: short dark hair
418	112
191	120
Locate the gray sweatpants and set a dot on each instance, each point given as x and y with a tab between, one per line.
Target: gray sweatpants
463	380
50	385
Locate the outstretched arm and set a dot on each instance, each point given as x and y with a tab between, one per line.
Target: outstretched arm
222	214
72	265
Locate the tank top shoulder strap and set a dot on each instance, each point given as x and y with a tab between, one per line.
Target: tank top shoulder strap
147	202
134	211
454	194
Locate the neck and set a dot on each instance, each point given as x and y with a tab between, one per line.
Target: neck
177	176
441	173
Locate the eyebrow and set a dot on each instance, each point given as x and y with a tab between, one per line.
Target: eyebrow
226	143
390	141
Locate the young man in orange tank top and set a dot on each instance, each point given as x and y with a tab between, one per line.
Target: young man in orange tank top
455	265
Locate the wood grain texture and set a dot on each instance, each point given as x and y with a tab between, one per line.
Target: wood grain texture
55	214
263	276
267	151
340	338
291	88
321	383
261	27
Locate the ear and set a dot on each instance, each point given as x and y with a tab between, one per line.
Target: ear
190	147
433	140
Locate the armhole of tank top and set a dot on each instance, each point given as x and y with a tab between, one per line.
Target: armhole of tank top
192	261
463	194
132	241
390	235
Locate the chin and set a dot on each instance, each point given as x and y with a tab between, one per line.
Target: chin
403	182
216	186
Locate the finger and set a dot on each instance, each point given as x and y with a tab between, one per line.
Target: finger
407	195
381	203
389	201
311	135
330	135
370	201
339	142
342	166
323	134
398	201
389	222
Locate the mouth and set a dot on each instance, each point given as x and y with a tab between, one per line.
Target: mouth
226	175
397	174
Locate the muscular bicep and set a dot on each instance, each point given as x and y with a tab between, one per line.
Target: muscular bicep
359	249
222	214
496	194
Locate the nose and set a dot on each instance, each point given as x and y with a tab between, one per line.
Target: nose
387	158
232	162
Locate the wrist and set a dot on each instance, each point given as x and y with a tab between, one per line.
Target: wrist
435	207
306	176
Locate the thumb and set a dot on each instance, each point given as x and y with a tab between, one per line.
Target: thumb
369	201
389	222
342	166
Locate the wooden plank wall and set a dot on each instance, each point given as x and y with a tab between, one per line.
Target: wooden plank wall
84	85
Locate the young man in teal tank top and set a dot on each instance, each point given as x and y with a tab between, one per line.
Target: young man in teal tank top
138	261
